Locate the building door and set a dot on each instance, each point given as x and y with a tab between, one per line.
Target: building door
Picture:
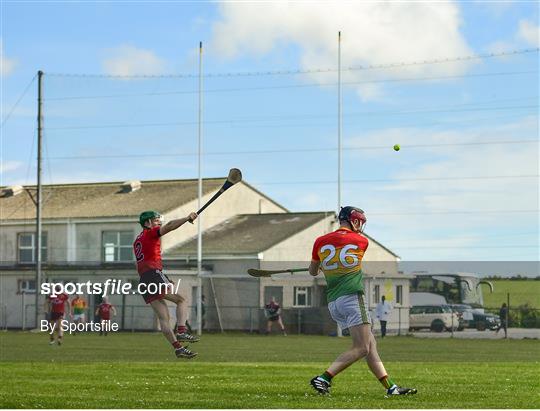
276	292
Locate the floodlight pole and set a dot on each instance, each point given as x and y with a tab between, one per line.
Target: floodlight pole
339	125
37	241
339	332
199	202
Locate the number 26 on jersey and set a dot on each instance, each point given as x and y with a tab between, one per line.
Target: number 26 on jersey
346	257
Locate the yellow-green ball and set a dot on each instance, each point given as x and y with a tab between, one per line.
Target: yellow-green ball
396	147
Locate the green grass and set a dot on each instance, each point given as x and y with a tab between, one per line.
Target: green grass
127	370
521	292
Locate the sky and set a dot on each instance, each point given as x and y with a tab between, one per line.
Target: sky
455	84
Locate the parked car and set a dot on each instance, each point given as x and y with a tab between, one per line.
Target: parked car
435	317
477	319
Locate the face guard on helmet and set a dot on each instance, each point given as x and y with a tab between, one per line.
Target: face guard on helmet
354	216
148	215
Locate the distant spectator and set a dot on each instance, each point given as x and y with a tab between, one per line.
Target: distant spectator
104	311
503	313
383	314
55	306
78	308
272	312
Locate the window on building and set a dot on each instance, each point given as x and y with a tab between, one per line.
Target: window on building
117	246
27	247
399	294
27	286
302	296
376	294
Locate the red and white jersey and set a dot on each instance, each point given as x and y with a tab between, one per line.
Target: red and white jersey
147	249
58	303
104	311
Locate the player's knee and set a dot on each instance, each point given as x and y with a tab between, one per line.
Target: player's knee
360	351
179	299
175	298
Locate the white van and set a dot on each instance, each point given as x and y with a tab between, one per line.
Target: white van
435	317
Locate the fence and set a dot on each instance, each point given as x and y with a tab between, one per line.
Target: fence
523	316
128	318
308	320
3	316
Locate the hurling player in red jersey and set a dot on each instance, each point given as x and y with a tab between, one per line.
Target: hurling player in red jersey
104	310
339	256
55	307
147	249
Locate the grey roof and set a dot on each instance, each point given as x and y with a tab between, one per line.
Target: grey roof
93	200
249	233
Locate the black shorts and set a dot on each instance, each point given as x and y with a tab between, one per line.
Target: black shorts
153	277
56	316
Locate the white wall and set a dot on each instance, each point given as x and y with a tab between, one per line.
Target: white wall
87	232
56	241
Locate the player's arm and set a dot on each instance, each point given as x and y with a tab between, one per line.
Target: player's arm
97	311
315	260
69	307
113	309
314	267
174	224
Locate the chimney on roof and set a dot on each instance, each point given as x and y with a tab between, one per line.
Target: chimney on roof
130	186
12	191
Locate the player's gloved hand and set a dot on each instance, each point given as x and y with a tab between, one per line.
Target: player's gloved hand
192	217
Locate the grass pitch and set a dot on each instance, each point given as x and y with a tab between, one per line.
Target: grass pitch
126	370
521	292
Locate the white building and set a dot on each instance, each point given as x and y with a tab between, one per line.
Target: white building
88	231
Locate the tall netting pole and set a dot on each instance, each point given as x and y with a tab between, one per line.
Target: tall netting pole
339	333
199	203
37	241
339	125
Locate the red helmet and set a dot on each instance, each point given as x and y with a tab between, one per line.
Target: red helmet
351	214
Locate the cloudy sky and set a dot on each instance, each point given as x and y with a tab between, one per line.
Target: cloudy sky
454	83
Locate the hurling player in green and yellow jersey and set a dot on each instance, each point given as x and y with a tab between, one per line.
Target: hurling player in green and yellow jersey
78	308
339	256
